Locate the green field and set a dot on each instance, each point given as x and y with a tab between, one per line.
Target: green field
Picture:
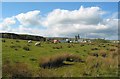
22	59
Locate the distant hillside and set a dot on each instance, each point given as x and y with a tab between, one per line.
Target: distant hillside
23	37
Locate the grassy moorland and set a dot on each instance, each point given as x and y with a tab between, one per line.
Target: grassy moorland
23	59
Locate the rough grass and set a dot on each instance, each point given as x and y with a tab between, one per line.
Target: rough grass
16	70
95	60
26	48
58	60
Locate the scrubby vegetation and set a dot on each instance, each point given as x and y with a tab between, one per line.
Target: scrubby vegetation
26	48
23	59
59	60
16	70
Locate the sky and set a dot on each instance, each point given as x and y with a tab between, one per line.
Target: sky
61	19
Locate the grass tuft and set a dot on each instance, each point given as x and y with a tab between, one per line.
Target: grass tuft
17	70
58	60
26	48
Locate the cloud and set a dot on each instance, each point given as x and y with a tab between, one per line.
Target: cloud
90	15
29	18
82	21
59	22
6	24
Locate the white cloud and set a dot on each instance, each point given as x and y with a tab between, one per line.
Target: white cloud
90	15
84	20
29	18
61	22
6	24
